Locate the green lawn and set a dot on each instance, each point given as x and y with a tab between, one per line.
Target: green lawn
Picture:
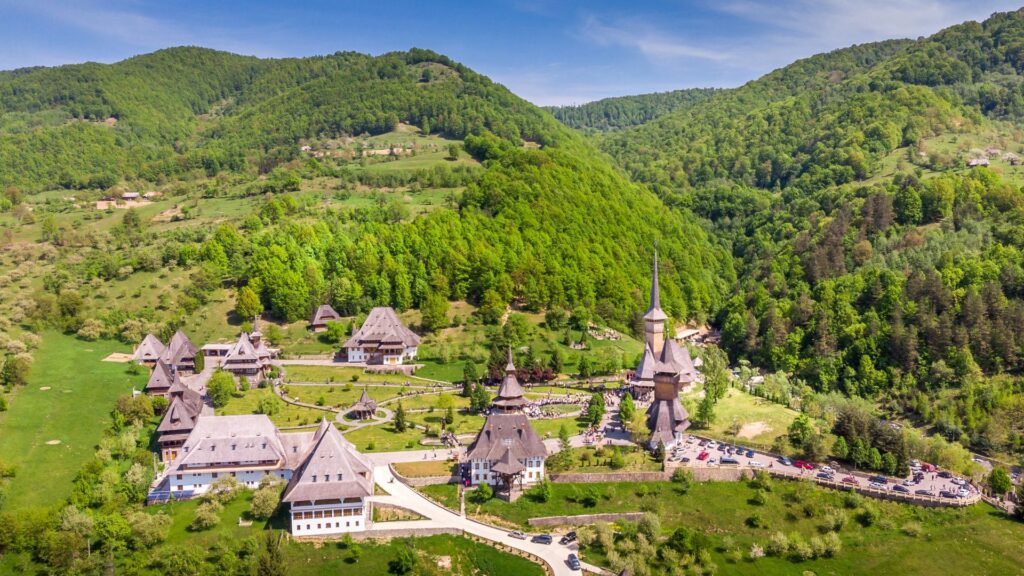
548	428
342	375
446	494
288	414
426	468
467	557
588	460
737	409
75	410
384	438
975	540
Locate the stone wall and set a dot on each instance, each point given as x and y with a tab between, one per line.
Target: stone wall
425	480
584	519
387	534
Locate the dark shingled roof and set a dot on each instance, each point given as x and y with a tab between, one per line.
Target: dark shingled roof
183	411
503	431
364	404
666	418
150	350
161	379
507	464
323	315
510	392
333	470
655	312
383	327
179	349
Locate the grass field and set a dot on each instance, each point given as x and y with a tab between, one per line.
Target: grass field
384	438
341	375
75	410
424	469
288	415
975	540
467	558
447	494
736	409
588	461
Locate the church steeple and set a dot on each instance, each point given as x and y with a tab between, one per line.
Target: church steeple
654	319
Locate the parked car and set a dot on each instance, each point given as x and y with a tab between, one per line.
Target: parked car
877	485
947	494
703	456
729	460
824	475
945	474
573	562
923	492
928	467
959	481
702	443
756	464
570	537
963	493
518	535
712	461
827	469
900	488
712	444
685	459
785	461
542	539
804	465
879	479
750	453
850	480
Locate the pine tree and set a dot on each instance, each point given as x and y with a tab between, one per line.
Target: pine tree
400	423
659	452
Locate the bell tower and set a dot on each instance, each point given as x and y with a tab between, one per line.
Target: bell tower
654	319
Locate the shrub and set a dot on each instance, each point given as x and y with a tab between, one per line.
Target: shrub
265	501
833	545
755	520
618	461
223	491
834	521
756	551
852	500
683	479
650	526
868	515
483	493
207	516
912	529
778	544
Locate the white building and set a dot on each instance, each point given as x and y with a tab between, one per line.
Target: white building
507	451
327	494
382	339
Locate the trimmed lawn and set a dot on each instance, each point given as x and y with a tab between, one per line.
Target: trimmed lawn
447	494
549	427
385	438
739	408
587	460
288	415
183	512
467	557
341	375
75	410
424	469
976	540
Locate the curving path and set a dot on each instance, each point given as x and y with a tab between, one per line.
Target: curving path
554	555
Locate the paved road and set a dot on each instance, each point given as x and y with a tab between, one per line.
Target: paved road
401	495
691	449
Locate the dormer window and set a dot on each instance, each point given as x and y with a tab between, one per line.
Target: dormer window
314	477
339	477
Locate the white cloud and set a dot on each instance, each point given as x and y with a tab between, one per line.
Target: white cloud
646	39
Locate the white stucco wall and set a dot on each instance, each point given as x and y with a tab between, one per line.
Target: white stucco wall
328	519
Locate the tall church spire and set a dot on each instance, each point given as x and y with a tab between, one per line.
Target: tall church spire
655	313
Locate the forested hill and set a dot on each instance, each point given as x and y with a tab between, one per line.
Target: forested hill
872	259
625	111
539	219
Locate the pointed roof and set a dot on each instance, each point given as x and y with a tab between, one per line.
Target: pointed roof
506	431
675	359
365	403
182	413
666	418
242	352
149	350
333	470
160	379
216	441
323	315
655	313
179	349
510	392
508	464
383	327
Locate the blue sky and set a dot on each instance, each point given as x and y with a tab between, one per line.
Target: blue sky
548	52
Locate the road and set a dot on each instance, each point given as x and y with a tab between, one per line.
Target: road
691	449
401	495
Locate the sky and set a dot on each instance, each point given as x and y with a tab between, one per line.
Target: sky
549	52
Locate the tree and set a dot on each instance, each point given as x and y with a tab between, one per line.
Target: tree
800	430
626	408
481	399
596	409
999	482
400	423
659	452
453	151
470	376
557	362
207	516
637	425
15	370
715	368
269	405
875	459
840	449
584	367
271	558
199	362
247	304
492	307
683	479
265	501
220	388
405	562
483	493
435	312
335	333
706	411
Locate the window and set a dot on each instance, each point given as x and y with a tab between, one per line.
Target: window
314	477
339	477
215	475
178	477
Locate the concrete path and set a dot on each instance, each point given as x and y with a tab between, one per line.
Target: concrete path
399	494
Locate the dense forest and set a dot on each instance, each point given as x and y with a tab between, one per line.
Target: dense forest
625	111
901	285
546	221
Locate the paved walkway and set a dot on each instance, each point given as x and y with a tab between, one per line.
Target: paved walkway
438	517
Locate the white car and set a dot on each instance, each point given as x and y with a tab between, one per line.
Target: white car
828	469
712	444
959	481
878	485
756	464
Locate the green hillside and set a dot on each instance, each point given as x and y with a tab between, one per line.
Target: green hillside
625	111
871	259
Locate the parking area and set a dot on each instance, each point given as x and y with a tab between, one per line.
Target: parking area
924	480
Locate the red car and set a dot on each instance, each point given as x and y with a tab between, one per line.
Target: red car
804	465
850	480
702	456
